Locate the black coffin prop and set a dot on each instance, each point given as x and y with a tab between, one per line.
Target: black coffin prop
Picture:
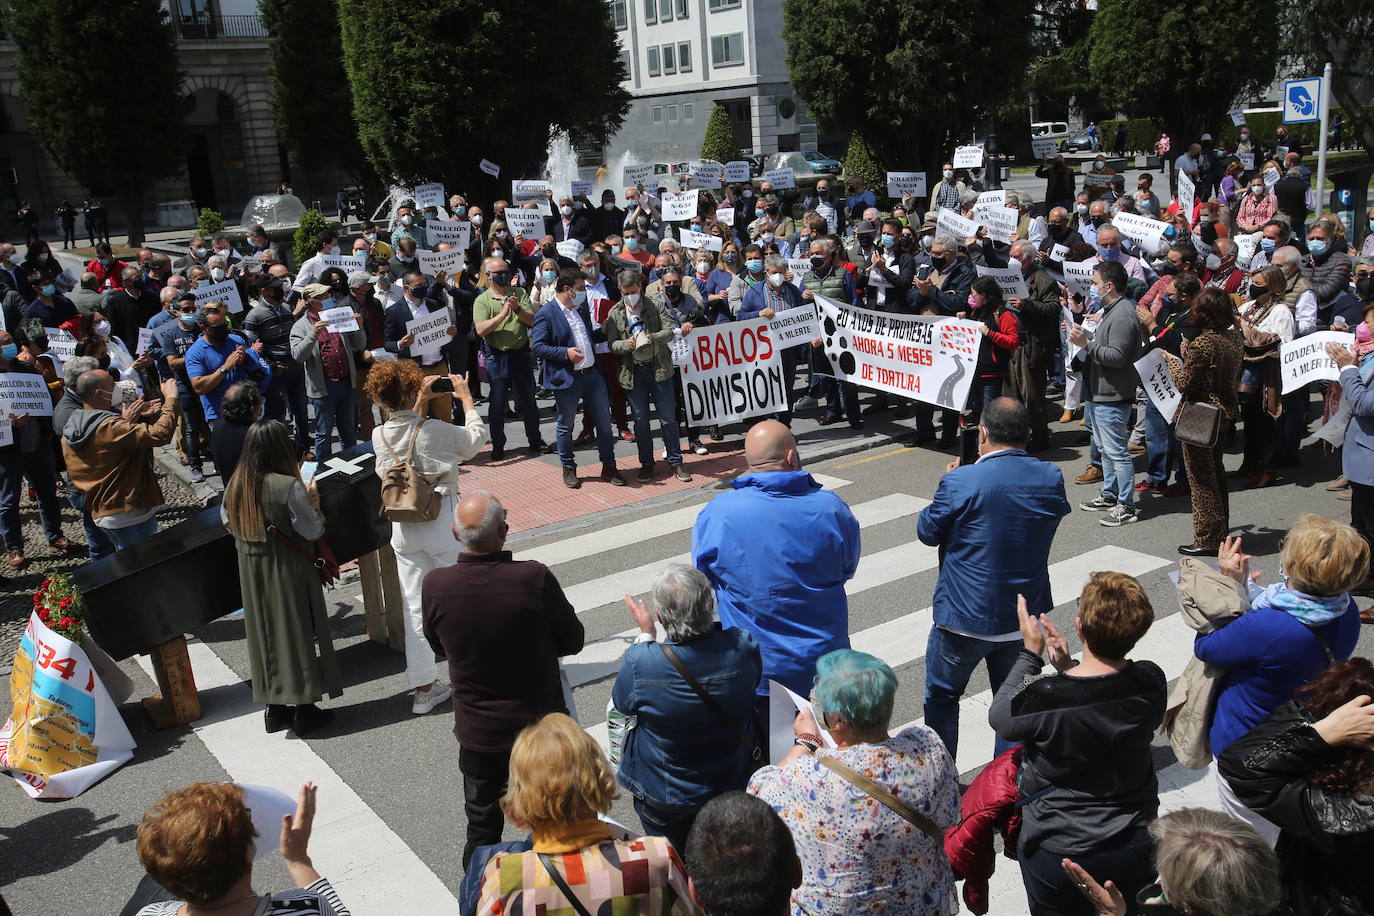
187	575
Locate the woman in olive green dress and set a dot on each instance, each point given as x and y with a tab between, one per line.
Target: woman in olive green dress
265	507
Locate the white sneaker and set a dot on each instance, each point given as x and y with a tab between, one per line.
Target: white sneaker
427	700
806	402
1118	516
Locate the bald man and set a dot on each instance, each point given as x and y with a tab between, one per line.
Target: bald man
1061	234
778	550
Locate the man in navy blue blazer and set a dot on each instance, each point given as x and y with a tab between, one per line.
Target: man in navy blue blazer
993	521
565	341
421	297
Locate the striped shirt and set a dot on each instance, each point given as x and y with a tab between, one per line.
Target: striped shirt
319	899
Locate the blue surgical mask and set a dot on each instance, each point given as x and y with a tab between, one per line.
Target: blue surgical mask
631	244
1317	246
9	351
579	297
1109	254
48	289
1094	297
889	241
754	265
1371	225
1268	245
1170	232
549	276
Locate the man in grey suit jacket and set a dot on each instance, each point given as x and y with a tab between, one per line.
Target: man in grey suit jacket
327	357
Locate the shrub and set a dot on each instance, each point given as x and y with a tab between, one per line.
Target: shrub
210	223
719	144
307	235
858	161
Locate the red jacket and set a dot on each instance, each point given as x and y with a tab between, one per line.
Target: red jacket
111	277
988	805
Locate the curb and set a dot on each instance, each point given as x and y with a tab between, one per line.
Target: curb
171	465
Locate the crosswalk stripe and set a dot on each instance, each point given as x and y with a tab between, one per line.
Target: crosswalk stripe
591	543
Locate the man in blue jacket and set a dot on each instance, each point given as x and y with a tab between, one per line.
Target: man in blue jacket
993	521
778	550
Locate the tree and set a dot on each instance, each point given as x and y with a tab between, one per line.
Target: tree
858	163
311	101
88	78
911	79
1164	61
1339	32
306	242
719	144
439	86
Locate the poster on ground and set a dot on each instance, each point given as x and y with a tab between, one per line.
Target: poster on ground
734	371
1304	359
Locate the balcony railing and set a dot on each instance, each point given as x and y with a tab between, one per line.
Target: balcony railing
202	26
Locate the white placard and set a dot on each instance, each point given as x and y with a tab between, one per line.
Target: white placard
429	195
951	223
1001	223
1096	180
1078	276
6	431
681	348
734	372
1158	382
1246	246
1044	147
348	263
968	157
697	240
457	233
679	206
903	183
987	200
581	187
1304	359
1008	278
1145	232
799	267
783	706
1237	117
1186	192
529	191
705	174
1247	161
145	337
570	249
24	392
341	320
781	178
1071	349
431	332
61	344
737	170
491	168
226	291
797	325
633	175
528	224
433	263
65	281
726	215
1059	252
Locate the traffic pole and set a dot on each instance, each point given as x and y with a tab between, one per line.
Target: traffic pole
1321	143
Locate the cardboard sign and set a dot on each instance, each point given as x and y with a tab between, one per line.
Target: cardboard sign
1059	252
227	291
61	344
581	187
797	325
1013	285
706	174
348	263
987	200
1001	223
901	184
457	233
528	224
633	175
1246	246
679	206
950	223
1186	191
491	168
1096	180
968	157
1237	117
1044	147
1247	161
341	320
429	195
570	249
734	372
1078	276
1145	232
781	179
431	332
697	240
529	191
433	263
1158	382
737	170
145	337
1304	359
799	267
24	392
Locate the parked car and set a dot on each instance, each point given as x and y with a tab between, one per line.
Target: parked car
1052	130
805	171
821	162
1079	142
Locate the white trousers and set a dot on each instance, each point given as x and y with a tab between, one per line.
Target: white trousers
420	547
1232	806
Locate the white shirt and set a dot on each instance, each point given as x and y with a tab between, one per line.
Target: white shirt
596	294
309	273
581	338
827	212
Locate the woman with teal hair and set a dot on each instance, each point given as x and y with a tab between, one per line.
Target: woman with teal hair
867	816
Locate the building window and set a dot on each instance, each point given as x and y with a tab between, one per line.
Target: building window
682	9
672	114
669	60
650	12
653	62
723	5
658	115
627	59
665	10
684	57
619	14
727	50
689	112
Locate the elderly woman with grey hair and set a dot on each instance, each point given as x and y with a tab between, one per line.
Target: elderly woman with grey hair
689	701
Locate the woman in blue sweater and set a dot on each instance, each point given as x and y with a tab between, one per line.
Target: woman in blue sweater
1293	630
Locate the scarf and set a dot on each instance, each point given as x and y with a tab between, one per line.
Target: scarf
570	837
1310	610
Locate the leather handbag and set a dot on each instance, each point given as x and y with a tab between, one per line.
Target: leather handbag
322	557
1198	423
406	495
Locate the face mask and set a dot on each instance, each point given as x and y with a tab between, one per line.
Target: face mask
948	173
197	252
1364	286
703	268
730	258
1082	209
1205	218
1099	165
631	299
1268	245
758	214
43	258
217	333
579	297
817	263
334	249
631	244
754	264
477	219
822	193
1371	225
672	290
187	319
1109	254
1257	190
1317	246
104	262
497	253
370	237
405	260
1213	262
502	277
766	238
565	210
549	276
1170	232
974	302
591	273
102	329
116	396
777	280
48	289
748	193
216	274
407	220
608	205
11	351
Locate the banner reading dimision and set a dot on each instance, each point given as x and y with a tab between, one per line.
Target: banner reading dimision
734	371
926	357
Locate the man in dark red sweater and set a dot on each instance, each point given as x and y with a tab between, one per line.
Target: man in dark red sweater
502	624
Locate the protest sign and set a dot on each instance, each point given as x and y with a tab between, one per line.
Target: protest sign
1237	117
581	187
433	263
679	206
1247	161
430	331
1071	349
1186	192
951	223
797	325
1145	232
735	372
903	183
783	706
1001	223
1304	359
1008	278
24	392
250	264
726	215
61	343
706	174
632	175
1158	381
570	249
64	732
529	191
145	337
1078	276
968	157
987	200
429	195
6	431
345	262
1246	245
1059	252
798	267
1096	180
227	291
341	320
696	240
1044	147
781	178
457	233
926	357
681	349
528	224
491	168
737	170
1271	178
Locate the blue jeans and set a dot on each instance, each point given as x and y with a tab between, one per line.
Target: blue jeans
128	537
98	543
1163	448
665	403
286	390
37	465
507	370
586	386
339	404
658	822
1111	426
950	660
1094	453
982	393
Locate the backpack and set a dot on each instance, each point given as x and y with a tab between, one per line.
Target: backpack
406	495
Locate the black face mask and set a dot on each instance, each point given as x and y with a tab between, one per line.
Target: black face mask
217	333
500	278
1365	287
1059	231
339	289
818	264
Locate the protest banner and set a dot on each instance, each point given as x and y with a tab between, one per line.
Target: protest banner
529	191
341	320
737	170
927	357
697	240
735	372
1246	245
797	325
632	175
798	267
1008	278
528	224
679	206
1304	359
1096	180
429	195
24	393
1001	223
1146	232
1247	161
345	262
1044	147
968	157
1237	117
1158	382
491	168
570	249
433	263
581	187
430	331
1186	192
987	200
227	291
457	233
903	183
781	179
62	344
145	337
950	223
6	431
705	174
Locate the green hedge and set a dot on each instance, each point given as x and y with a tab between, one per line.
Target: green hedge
306	243
1265	124
1141	134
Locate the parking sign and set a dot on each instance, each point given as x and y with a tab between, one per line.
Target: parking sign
1302	100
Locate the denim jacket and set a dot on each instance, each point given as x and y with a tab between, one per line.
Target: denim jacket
679	754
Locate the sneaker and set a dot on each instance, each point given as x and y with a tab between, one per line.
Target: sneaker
197	475
1092	475
806	402
1118	516
698	447
681	473
1098	503
427	699
1146	487
645	474
570	479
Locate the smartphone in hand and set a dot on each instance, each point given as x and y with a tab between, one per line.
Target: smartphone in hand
308	470
442	385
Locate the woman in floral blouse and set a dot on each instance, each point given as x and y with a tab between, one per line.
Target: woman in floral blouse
858	855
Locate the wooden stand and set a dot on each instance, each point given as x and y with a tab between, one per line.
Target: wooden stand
383	602
178	703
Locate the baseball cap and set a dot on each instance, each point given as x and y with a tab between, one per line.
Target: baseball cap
359	278
315	290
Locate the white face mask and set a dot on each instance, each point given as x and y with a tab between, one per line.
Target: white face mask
407	220
116	396
197	252
565	210
477	219
497	253
216	274
704	268
370	237
102	328
608	205
631	299
777	280
333	249
948	173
